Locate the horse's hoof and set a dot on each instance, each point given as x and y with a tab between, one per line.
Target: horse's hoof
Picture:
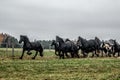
41	55
29	53
20	58
33	58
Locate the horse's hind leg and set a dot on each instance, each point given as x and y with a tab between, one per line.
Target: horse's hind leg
41	53
72	54
93	54
77	54
35	55
84	54
66	55
22	54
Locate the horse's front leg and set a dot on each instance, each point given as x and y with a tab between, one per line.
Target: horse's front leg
114	54
29	53
35	55
59	54
63	55
96	53
76	52
93	54
118	54
66	55
22	54
72	54
84	55
101	53
56	53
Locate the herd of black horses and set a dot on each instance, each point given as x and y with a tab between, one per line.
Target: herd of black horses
68	48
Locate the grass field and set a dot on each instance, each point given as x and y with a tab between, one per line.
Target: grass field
51	67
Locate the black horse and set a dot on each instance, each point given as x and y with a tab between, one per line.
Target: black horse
87	46
100	46
28	46
116	48
109	47
67	46
56	46
103	49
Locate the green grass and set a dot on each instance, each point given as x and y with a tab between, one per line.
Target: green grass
51	67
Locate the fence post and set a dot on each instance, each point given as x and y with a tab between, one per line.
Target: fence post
49	47
12	50
6	49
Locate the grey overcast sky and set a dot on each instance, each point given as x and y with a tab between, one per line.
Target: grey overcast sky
44	19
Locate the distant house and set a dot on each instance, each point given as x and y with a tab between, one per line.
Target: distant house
2	37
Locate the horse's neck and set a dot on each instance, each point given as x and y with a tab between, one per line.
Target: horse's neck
98	40
61	43
27	42
56	45
116	44
83	41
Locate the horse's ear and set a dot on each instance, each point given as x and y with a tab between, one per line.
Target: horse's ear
21	35
96	37
53	40
57	36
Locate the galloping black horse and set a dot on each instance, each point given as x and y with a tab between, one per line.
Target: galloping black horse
109	47
88	46
28	46
116	48
66	47
56	45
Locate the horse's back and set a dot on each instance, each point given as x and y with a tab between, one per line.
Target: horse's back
36	44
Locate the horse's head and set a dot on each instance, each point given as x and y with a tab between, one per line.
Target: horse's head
23	38
53	42
97	39
67	40
107	46
79	43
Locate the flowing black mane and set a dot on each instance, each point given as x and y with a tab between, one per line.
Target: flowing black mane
26	38
82	40
96	38
59	39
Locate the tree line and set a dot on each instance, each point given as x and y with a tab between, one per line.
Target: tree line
9	41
